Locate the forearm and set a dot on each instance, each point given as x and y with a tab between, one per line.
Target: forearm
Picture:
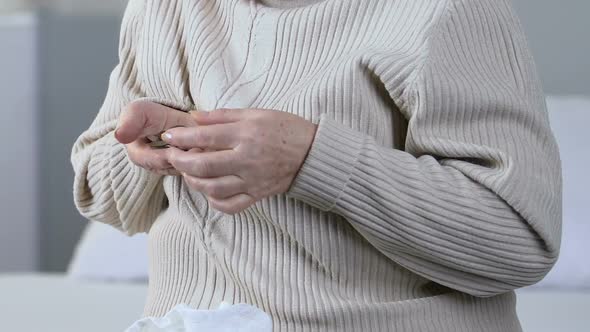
423	214
109	188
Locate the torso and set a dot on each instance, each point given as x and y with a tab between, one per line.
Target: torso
307	268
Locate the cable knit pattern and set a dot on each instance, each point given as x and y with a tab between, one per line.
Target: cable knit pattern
431	191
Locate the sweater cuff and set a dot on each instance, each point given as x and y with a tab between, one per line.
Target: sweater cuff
329	164
136	191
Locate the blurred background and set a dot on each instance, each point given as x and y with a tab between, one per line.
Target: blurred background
54	66
55	60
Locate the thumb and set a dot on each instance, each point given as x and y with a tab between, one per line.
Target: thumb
218	116
131	123
145	118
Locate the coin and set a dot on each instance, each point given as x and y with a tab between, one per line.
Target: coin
159	145
156	142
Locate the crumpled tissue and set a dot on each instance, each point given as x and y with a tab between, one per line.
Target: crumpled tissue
227	318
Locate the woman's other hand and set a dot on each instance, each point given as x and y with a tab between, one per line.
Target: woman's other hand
239	156
141	119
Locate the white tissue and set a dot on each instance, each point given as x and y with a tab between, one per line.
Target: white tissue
227	318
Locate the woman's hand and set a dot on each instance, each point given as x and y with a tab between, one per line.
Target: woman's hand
141	119
249	154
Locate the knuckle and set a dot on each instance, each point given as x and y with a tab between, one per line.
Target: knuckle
131	153
202	137
249	137
215	205
173	157
148	164
244	187
234	210
192	183
154	162
220	206
162	172
160	163
253	157
213	189
171	154
150	161
202	168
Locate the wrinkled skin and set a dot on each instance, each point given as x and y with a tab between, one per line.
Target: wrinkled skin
141	119
233	156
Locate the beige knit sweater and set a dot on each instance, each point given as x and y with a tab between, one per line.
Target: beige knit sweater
432	189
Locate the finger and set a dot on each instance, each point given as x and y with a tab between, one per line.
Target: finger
143	118
142	155
174	118
219	188
130	126
216	137
232	205
168	171
222	115
204	164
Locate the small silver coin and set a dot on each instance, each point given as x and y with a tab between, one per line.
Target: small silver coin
156	142
159	144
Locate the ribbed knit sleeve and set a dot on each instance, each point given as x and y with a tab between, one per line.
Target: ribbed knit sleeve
473	202
107	186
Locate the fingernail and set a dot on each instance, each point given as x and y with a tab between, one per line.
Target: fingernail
166	137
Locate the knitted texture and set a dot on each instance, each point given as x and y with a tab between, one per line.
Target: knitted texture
431	191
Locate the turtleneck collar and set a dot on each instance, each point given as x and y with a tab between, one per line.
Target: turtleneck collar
288	3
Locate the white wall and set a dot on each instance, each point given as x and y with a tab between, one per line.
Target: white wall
12	5
88	6
18	154
76	55
69	6
558	36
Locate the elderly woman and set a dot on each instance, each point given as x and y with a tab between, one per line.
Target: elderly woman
379	165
